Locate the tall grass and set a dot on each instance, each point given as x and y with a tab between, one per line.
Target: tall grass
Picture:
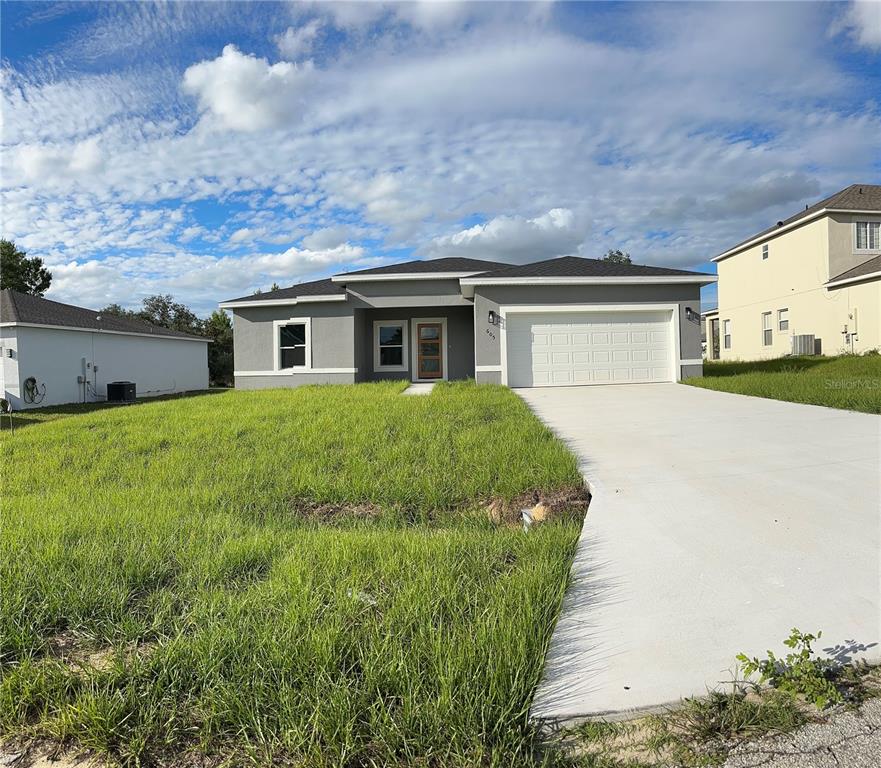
169	537
850	382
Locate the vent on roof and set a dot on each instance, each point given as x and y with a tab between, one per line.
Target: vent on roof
779	223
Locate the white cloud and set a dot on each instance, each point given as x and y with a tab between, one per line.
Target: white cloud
328	237
37	161
664	137
200	280
514	239
245	93
245	235
862	21
295	42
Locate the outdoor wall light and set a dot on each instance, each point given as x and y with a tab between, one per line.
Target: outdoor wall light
491	318
689	313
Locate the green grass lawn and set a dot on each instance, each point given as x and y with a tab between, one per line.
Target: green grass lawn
164	588
850	382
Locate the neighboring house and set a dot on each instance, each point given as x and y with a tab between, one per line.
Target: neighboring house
817	273
710	334
558	322
72	353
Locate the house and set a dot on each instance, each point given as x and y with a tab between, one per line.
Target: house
559	322
53	353
816	274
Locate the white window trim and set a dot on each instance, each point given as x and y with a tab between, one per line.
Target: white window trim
414	347
673	309
726	333
769	329
867	249
766	251
276	337
783	320
405	335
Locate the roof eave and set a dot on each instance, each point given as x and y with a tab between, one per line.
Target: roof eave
468	285
851	280
146	334
283	302
756	239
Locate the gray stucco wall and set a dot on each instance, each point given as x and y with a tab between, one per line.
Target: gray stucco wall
488	337
408	293
333	336
459	341
843	254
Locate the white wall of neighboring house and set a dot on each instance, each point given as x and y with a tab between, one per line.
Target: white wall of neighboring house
56	357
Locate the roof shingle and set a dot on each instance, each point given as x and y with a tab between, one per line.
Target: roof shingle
449	264
315	288
576	266
18	307
856	197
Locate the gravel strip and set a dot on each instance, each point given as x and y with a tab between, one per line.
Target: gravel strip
845	740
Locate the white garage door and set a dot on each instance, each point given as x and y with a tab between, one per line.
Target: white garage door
564	349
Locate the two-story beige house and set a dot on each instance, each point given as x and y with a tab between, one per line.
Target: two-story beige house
818	273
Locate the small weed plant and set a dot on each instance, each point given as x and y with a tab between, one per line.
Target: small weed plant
799	672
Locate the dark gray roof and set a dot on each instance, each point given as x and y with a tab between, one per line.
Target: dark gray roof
18	307
315	288
856	197
450	264
866	268
576	266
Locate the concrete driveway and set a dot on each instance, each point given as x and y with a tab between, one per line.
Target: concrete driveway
718	523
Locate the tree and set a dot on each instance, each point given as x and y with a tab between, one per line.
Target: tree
20	273
117	310
218	328
164	311
617	257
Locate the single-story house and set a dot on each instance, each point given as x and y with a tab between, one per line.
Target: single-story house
53	353
559	322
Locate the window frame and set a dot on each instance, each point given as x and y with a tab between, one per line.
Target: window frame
768	333
870	225
782	320
404	325
765	252
726	334
277	326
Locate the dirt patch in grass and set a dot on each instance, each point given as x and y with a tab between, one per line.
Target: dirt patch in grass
41	754
569	502
76	653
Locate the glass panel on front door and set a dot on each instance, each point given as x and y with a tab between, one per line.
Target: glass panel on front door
430	351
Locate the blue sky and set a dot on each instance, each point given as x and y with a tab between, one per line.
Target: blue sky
209	149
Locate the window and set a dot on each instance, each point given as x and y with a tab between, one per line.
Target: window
292	345
764	252
868	235
726	334
767	333
390	345
782	319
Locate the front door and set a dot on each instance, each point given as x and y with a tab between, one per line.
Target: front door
429	352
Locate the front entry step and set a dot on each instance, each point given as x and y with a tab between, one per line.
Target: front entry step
419	389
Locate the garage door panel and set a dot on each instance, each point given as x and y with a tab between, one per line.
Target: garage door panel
562	349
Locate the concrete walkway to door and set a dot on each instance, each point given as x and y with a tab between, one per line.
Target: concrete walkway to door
718	522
